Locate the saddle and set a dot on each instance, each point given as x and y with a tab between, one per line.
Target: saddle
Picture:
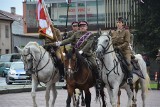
124	65
52	51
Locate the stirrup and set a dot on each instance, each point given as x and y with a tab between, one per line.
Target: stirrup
130	81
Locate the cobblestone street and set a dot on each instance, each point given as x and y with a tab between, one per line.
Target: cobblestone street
24	99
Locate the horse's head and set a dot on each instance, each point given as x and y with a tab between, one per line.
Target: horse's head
28	58
103	44
70	61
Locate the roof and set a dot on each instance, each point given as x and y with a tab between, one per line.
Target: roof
9	16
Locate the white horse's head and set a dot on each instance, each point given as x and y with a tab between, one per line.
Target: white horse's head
29	55
103	44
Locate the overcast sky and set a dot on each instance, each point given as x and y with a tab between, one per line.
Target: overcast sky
7	4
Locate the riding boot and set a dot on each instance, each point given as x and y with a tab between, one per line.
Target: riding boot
130	79
61	70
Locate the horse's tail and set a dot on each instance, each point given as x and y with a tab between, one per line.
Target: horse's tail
147	80
144	71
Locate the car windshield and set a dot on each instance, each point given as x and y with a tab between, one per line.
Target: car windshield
17	66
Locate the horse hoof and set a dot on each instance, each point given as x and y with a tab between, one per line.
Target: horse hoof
83	104
134	105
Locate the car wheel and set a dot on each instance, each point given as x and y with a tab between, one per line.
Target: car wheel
3	74
7	81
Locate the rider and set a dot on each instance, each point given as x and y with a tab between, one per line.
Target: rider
121	39
86	38
55	51
74	29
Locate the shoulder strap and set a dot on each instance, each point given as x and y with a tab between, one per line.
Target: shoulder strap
82	39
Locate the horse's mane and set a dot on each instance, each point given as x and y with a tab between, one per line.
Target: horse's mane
81	62
29	44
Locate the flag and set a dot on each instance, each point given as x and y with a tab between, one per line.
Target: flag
141	1
44	20
68	1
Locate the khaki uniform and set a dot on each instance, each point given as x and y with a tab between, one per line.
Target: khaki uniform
70	33
51	41
121	39
86	47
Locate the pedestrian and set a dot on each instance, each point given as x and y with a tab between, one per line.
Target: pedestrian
83	40
121	41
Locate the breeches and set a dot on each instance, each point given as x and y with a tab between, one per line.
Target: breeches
128	58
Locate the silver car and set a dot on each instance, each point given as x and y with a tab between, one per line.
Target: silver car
17	74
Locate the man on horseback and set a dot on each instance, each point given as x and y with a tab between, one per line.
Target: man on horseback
83	40
121	40
55	52
74	29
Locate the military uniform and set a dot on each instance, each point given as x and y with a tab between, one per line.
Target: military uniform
121	40
86	47
50	43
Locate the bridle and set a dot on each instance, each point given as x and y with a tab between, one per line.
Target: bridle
35	70
105	51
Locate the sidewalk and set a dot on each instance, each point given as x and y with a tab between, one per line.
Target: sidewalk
17	88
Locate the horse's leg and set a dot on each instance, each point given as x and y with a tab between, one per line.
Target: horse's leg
82	98
33	91
144	91
87	97
70	93
47	95
134	104
54	92
130	95
103	97
119	98
113	94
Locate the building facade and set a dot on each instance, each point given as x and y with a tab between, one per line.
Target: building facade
5	33
106	10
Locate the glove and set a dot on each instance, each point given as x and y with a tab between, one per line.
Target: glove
80	52
58	43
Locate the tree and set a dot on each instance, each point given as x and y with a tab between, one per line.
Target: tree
147	27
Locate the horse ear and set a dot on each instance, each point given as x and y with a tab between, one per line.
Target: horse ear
65	50
110	32
17	49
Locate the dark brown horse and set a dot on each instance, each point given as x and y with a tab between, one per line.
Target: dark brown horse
79	75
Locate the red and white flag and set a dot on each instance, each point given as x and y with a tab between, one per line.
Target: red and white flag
68	1
44	20
141	1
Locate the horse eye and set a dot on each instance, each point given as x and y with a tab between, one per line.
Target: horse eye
106	40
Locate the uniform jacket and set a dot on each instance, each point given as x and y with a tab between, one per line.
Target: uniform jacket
70	33
122	40
86	47
48	41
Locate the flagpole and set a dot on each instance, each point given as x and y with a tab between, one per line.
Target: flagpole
52	28
65	31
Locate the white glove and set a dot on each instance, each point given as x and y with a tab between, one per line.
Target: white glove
80	52
58	43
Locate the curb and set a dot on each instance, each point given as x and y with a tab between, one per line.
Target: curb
19	90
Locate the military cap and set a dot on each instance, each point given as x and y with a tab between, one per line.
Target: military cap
82	23
74	23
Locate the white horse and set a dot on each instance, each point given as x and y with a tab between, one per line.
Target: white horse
39	64
112	74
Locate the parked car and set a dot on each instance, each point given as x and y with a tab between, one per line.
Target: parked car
4	67
5	61
17	74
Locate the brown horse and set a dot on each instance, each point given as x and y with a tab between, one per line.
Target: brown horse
79	75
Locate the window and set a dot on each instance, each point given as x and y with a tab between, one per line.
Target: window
7	51
0	31
7	31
